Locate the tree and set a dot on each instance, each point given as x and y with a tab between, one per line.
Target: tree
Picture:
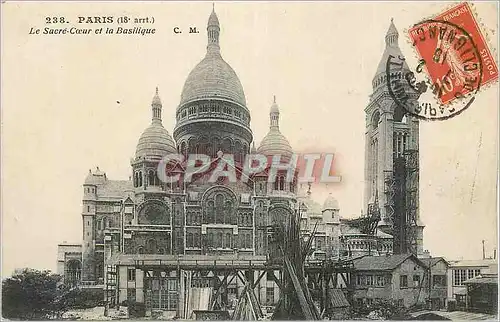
32	294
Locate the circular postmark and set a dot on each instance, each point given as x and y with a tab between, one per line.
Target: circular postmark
453	72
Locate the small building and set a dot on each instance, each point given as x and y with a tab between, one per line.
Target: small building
438	291
69	262
402	278
463	270
482	293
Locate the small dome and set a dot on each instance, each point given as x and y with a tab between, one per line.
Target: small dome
213	78
331	203
155	141
275	143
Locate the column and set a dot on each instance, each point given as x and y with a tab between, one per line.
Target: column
122	283
368	178
139	288
386	135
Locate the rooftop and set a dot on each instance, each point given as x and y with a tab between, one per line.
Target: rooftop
114	188
473	262
491	279
432	261
383	263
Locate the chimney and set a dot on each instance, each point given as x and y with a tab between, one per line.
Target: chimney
484	256
495	253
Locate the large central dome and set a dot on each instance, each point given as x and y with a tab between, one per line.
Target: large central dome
213	78
212	115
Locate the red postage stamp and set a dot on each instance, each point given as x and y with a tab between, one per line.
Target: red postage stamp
454	51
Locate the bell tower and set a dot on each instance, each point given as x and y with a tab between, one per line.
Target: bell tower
391	157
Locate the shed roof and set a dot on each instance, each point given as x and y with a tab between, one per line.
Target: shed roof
429	262
383	263
491	279
338	298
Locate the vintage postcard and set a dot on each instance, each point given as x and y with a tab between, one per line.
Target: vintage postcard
249	160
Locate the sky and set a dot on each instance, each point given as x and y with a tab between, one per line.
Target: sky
60	115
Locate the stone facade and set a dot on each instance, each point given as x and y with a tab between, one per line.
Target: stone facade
391	135
146	219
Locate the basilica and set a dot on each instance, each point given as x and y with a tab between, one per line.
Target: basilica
132	228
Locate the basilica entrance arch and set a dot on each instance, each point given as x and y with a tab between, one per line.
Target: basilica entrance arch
73	273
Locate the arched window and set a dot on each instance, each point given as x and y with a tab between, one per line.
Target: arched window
216	146
140	178
399	113
210	212
282	183
203	146
140	250
99	271
151	246
190	240
192	146
226	146
73	272
276	183
219	240
241	237
219	208
227	212
151	178
248	240
210	240
237	151
183	148
375	119
197	240
228	240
